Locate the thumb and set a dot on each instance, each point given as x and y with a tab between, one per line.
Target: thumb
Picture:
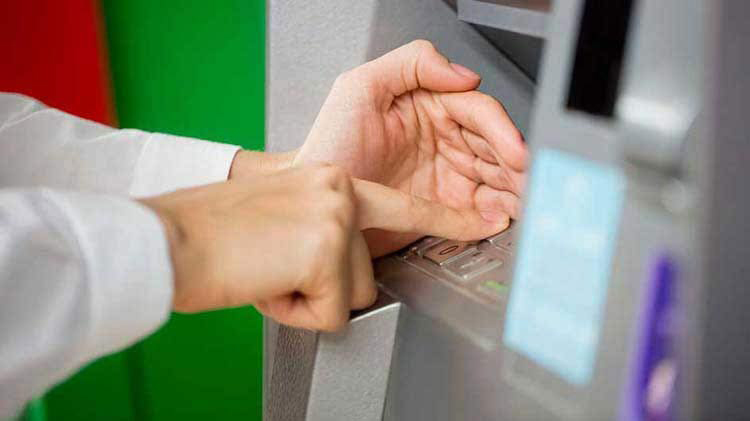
382	207
419	65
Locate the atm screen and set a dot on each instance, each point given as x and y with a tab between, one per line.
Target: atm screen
562	270
597	66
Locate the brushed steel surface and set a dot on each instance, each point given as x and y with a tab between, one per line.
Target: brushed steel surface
352	368
523	17
442	356
308	44
292	374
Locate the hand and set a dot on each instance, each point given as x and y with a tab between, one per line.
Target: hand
413	121
291	244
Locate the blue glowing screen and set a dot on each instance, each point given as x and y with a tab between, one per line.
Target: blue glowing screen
562	271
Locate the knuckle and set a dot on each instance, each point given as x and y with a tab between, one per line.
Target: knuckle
337	174
350	79
371	297
343	208
332	320
323	238
328	175
338	209
515	135
486	102
331	234
334	174
357	86
478	166
483	106
367	297
423	45
343	79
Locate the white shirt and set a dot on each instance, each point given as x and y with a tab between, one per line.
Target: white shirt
84	269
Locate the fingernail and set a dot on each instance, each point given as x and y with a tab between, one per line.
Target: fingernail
464	71
494	217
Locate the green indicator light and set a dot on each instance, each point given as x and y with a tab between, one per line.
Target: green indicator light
495	286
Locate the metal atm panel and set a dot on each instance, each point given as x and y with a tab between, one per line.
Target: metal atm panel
328	38
593	306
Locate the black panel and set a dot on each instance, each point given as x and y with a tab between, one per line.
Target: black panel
598	56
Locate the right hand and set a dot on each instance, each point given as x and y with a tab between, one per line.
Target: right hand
413	121
291	243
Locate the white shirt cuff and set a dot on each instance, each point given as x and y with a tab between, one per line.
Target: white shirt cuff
127	263
168	163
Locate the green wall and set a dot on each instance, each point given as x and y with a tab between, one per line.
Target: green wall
194	68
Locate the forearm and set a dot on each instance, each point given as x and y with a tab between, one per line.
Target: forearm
41	146
67	295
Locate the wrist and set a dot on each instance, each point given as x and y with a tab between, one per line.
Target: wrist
175	243
252	163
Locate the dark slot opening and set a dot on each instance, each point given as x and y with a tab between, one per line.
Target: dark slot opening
598	57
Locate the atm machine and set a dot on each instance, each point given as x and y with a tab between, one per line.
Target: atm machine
622	292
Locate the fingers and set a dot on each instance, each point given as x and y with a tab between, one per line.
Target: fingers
484	116
317	307
299	311
418	64
364	291
326	307
291	310
489	201
381	242
342	277
480	171
392	210
500	178
330	305
478	145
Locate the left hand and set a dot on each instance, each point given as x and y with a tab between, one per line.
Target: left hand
412	120
231	243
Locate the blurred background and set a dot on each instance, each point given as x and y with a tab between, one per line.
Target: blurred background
192	68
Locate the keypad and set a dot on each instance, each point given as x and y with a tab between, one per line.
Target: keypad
446	250
470	265
480	269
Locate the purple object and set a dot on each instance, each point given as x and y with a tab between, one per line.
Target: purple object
652	370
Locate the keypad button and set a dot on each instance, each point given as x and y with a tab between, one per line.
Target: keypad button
503	240
493	288
469	265
419	247
405	253
446	250
424	244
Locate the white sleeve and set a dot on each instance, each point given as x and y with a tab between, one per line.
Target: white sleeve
42	146
81	275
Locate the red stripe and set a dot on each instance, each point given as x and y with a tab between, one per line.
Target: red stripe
54	51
